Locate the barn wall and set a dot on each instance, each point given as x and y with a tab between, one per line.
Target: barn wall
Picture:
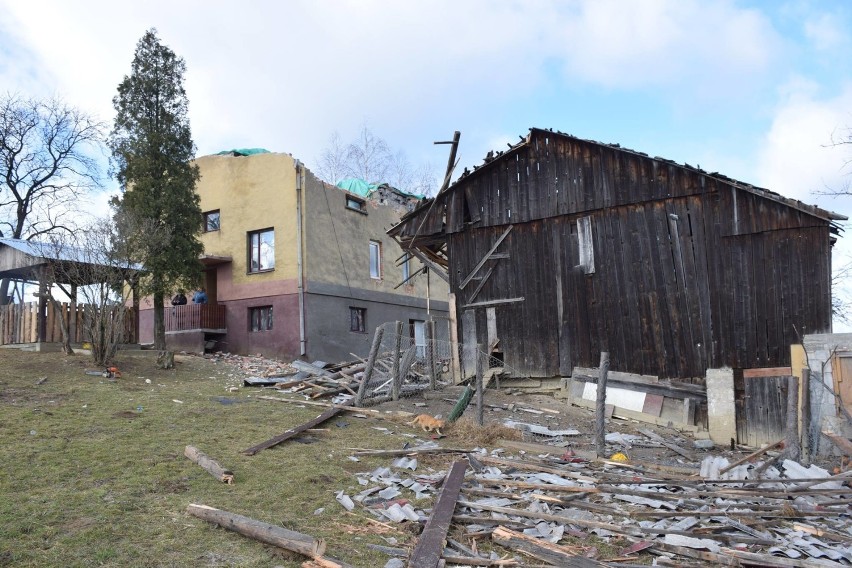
674	291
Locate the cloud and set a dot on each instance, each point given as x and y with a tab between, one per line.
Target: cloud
798	158
826	32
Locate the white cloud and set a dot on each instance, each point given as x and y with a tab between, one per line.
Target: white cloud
826	32
798	158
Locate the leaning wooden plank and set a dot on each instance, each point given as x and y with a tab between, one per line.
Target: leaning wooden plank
211	465
258	530
427	552
751	456
842	444
330	413
553	554
485	258
673	447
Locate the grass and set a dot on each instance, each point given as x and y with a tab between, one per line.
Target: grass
93	472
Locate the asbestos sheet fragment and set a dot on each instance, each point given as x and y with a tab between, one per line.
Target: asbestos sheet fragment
344	500
552	479
406	463
779	551
795	470
541	430
690	542
389	492
397	514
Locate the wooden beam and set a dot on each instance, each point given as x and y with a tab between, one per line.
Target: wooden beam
258	530
481	284
439	270
752	455
767	372
485	258
492	303
427	552
543	550
330	413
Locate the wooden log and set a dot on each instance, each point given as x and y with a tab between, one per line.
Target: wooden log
427	552
751	456
553	554
211	465
600	407
330	413
260	531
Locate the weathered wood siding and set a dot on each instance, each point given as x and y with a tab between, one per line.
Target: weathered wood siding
689	272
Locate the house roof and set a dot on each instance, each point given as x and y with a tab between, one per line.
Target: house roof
498	156
242	152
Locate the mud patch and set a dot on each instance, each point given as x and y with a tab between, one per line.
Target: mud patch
126	414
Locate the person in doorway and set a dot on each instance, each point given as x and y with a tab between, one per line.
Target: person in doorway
179	299
200	297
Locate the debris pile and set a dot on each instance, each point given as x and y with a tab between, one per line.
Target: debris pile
790	516
315	380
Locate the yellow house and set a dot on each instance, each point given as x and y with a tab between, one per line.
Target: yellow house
297	267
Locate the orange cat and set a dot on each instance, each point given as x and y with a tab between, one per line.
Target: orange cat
428	423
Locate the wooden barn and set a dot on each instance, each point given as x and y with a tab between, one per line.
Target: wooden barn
560	248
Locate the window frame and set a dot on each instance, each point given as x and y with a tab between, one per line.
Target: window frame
206	216
359	315
361	204
406	269
250	250
377	274
265	319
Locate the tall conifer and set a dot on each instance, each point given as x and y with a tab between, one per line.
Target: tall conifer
152	152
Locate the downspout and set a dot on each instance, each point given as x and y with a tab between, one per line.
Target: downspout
299	265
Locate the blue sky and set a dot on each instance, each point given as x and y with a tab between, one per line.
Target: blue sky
754	90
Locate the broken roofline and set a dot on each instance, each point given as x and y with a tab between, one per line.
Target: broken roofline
502	155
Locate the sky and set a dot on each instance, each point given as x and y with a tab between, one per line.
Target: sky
758	91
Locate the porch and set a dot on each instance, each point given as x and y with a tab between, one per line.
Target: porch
209	318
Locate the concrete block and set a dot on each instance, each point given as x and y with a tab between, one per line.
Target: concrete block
704	444
721	409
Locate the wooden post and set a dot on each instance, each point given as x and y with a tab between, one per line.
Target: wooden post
600	407
480	387
72	316
404	366
791	434
41	325
371	364
431	355
806	417
397	348
454	339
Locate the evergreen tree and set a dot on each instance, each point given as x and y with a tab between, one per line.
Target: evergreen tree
152	153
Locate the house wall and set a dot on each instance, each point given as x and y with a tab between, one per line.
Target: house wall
821	352
689	272
252	193
337	271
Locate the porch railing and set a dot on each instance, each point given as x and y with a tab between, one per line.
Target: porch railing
194	316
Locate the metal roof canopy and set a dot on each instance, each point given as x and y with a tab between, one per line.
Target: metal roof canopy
29	261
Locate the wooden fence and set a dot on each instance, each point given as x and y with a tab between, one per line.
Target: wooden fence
19	323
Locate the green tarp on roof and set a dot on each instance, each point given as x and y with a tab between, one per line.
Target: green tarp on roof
364	189
242	152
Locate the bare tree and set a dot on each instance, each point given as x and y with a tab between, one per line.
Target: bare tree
46	164
370	158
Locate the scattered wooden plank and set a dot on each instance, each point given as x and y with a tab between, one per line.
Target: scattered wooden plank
330	413
673	447
751	456
553	554
517	464
767	372
409	451
374	413
626	414
211	465
541	448
427	552
305	545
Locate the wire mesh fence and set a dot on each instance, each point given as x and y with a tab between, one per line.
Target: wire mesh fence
405	362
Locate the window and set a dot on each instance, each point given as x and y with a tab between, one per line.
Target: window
356	204
261	249
418	334
406	268
211	221
358	319
376	260
586	245
260	318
